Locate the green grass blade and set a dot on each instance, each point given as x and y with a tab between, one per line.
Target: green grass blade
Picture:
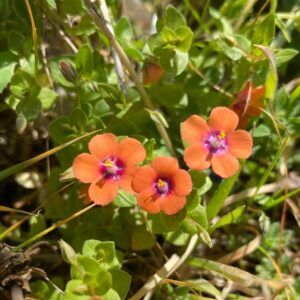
216	202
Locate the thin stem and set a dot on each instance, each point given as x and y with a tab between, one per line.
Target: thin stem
118	63
34	34
53	227
213	86
100	22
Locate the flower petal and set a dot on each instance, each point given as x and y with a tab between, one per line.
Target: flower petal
171	204
103	145
182	183
194	129
103	192
165	166
131	152
125	181
197	157
143	179
86	168
240	144
224	165
147	199
223	118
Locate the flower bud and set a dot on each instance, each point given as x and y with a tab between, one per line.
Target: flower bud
68	71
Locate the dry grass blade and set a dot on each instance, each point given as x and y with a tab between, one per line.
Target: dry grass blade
13	210
17	168
34	35
295	210
292	182
241	252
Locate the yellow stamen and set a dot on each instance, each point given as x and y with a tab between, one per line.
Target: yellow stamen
222	135
109	163
161	183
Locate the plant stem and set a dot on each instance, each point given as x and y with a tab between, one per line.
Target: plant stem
100	22
51	228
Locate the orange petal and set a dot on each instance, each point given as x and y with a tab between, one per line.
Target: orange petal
171	204
197	157
86	168
224	165
194	129
223	118
131	152
182	183
103	192
103	145
148	201
125	181
143	178
165	166
240	144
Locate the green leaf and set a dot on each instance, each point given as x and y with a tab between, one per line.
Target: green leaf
121	282
16	42
78	118
157	117
7	67
85	60
125	199
123	29
264	32
30	106
172	222
174	19
231	273
184	36
104	252
76	290
199	216
141	238
180	62
204	286
229	218
284	55
201	181
21	123
261	131
219	196
60	129
47	98
68	253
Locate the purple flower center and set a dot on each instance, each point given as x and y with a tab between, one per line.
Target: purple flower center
112	168
162	186
216	143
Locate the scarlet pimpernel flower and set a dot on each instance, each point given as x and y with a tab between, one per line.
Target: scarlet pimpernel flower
110	165
248	103
162	186
215	143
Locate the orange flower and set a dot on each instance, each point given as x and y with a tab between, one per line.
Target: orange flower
162	186
152	73
109	166
215	143
248	103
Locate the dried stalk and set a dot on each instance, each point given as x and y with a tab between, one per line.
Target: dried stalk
100	22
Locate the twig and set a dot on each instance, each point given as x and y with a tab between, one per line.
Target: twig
100	22
16	293
244	13
118	63
293	182
167	270
34	35
213	86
